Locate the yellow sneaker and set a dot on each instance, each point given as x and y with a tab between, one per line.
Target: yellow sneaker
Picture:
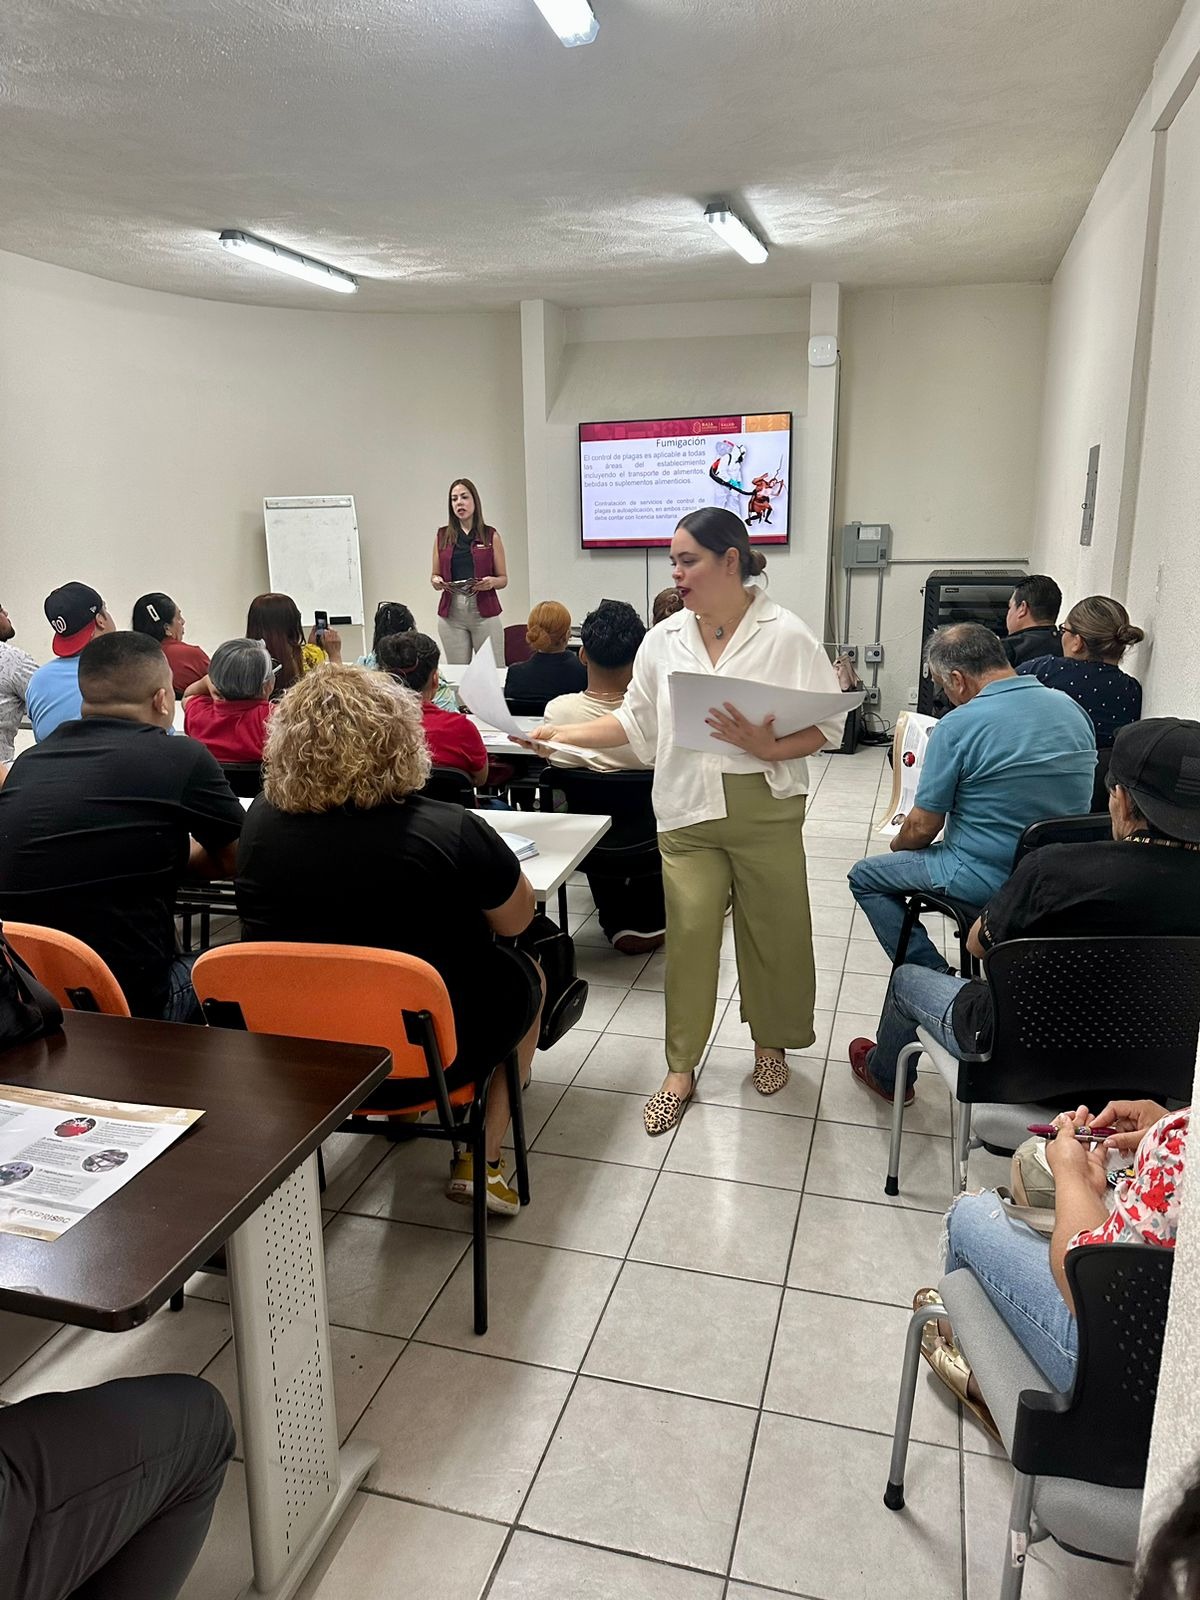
502	1198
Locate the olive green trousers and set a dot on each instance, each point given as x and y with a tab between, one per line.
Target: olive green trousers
755	852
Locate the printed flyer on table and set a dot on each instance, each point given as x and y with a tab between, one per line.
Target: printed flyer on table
62	1155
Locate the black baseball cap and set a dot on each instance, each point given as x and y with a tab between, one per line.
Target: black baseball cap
72	611
1158	762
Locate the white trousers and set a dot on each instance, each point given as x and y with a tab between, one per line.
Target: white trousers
463	631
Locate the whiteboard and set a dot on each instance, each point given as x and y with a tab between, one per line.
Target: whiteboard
312	553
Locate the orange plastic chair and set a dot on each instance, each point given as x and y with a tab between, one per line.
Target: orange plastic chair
350	994
72	971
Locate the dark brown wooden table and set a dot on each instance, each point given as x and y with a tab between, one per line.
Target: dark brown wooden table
244	1175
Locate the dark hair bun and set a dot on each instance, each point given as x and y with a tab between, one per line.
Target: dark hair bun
756	563
1129	635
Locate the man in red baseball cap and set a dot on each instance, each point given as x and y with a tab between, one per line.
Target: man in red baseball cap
77	614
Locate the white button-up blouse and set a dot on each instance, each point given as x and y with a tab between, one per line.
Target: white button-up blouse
769	645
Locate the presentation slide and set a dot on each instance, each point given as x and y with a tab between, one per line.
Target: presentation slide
638	478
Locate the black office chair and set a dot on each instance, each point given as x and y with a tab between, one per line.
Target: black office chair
1079	1459
244	777
1091	829
963	913
1100	787
450	784
526	705
1076	1022
629	850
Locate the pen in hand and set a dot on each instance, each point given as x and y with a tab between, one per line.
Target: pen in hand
1047	1130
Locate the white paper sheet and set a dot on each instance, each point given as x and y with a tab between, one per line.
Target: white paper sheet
481	691
694	694
908	755
62	1155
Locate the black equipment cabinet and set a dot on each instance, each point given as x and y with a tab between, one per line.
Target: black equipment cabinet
961	595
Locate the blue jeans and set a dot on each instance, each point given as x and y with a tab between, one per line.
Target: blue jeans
916	997
182	1005
1012	1264
878	884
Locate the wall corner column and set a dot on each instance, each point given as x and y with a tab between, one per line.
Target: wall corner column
543	341
825	317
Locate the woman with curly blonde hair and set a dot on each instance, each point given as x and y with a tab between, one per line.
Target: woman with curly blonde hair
552	669
344	761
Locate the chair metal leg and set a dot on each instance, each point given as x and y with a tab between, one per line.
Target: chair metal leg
321	1168
517	1109
893	1496
962	1142
479	1220
912	916
892	1186
1020	1513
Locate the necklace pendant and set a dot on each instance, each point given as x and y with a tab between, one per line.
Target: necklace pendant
720	633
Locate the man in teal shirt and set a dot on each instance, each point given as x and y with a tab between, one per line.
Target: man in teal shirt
1002	758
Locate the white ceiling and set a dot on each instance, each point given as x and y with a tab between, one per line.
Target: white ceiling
453	154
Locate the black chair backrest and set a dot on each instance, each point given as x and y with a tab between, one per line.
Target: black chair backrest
623	796
1100	1433
243	777
1062	830
1077	1018
450	784
526	705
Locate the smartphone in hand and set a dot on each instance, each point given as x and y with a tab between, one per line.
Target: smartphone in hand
321	619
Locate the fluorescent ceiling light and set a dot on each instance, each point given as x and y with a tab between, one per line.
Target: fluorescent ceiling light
727	225
292	262
572	20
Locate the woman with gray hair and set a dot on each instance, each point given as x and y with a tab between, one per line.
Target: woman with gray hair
228	710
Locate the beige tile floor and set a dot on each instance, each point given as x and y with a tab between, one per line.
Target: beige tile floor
688	1385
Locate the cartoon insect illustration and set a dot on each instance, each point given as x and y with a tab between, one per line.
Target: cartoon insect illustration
764	487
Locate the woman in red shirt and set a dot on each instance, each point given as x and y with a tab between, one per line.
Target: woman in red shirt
228	710
158	616
453	740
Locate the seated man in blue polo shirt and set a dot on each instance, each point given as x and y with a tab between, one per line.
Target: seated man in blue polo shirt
1004	757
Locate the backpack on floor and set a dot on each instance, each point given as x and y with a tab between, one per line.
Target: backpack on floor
566	994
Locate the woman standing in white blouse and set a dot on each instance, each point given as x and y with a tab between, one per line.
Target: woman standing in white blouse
731	822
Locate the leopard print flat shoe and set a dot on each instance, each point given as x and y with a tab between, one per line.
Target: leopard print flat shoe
663	1110
770	1074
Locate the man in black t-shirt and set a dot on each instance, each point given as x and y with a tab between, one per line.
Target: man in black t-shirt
100	821
1145	881
1032	620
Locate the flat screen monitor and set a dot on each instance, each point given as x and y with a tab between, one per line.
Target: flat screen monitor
636	479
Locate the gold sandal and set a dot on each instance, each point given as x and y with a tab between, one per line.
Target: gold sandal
663	1110
950	1367
771	1073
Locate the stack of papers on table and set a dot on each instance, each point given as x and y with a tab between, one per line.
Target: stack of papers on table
520	846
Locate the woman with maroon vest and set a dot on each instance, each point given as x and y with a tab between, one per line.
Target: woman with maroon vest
468	568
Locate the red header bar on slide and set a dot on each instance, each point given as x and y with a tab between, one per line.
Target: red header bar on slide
670	428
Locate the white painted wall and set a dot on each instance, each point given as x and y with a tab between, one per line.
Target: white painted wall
1089	370
1164	580
139	432
941	397
696	359
1123	369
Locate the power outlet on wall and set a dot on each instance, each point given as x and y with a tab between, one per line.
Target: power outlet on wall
913	695
872	698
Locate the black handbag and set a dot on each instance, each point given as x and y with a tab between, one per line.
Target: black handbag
27	1008
566	994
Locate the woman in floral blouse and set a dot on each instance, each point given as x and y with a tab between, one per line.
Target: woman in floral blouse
1023	1273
